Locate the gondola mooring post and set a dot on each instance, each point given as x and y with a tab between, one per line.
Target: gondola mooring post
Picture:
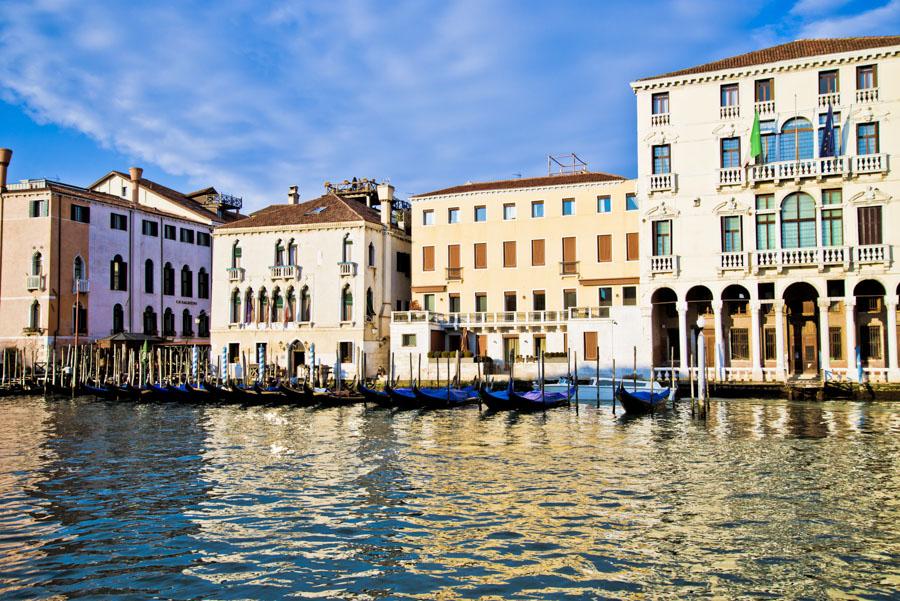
614	385
597	380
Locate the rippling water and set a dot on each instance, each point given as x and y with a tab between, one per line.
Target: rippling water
767	499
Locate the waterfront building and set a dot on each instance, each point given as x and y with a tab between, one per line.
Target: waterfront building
777	234
512	268
310	281
124	257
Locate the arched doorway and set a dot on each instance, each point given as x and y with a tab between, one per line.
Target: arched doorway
801	305
699	304
736	326
664	317
296	359
871	324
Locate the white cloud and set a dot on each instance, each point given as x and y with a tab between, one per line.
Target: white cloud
882	20
812	8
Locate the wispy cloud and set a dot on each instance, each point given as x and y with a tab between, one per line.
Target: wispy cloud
879	20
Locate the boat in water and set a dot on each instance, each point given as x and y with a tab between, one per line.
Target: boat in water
643	401
588	387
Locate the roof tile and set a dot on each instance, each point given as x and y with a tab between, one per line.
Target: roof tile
528	182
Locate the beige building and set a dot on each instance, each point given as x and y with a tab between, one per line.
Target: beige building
789	255
516	267
312	281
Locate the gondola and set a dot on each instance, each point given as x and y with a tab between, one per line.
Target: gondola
200	393
642	402
402	398
534	400
160	393
134	393
109	393
299	398
339	398
445	398
377	397
496	400
271	395
222	394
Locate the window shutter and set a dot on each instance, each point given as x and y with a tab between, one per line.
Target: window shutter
590	346
537	252
869	225
631	246
480	255
453	256
568	249
604	248
509	254
427	258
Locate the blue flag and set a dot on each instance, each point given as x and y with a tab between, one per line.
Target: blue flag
827	149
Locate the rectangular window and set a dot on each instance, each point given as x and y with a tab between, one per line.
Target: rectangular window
662	238
731	234
604	296
871	342
480	213
590	346
80	213
118	221
537	209
832	219
631	203
538	300
629	296
662	162
234	352
867	138
660	103
765	222
568	206
404	264
632	249
769	344
828	82
346	352
731	153
769	147
169	232
187	236
569	256
408	340
537	253
509	253
453	262
203	239
764	90
835	344
37	208
454	306
427	258
480	302
729	95
835	130
150	228
869	219
604	204
570	298
453	215
604	248
765	202
740	344
480	255
509	301
866	77
509	211
428	217
428	302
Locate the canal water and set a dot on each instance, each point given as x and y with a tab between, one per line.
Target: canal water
765	499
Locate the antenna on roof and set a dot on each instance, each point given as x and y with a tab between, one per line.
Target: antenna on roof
564	164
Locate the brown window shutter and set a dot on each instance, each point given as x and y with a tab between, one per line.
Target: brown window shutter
427	258
537	252
590	346
453	256
509	254
631	246
604	248
568	250
480	255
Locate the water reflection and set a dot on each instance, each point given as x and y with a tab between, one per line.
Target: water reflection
773	498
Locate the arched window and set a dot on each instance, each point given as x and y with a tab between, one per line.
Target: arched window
79	319
187	323
78	269
305	305
279	253
168	280
118	321
34	316
187	282
292	252
371	254
347	250
236	254
796	140
277	306
346	304
203	325
148	276
798	221
37	263
235	306
290	306
248	306
370	304
263	313
149	322
118	274
202	283
168	323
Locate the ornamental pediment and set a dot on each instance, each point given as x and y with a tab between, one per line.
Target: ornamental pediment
871	195
659	137
661	211
732	207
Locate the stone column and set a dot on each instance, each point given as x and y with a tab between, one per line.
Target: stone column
682	307
824	337
780	367
893	370
850	336
755	361
720	347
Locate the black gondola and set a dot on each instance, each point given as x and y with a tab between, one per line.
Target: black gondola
299	398
445	398
382	398
642	402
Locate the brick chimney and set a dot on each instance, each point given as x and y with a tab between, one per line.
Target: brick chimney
5	157
294	195
386	198
136	173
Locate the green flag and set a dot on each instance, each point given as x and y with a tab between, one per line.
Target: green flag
755	140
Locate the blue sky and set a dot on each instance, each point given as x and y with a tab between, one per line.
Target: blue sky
252	97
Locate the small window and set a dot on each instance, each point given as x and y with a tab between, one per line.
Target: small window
765	202
604	248
81	213
509	253
731	153
731	234
453	215
629	295
769	343
203	239
632	250
404	263
187	235
169	232
480	213
150	228
509	211
480	259
427	258
480	302
866	77
604	296
570	298
631	203
537	209
538	300
428	217
346	352
835	344
828	82
428	302
118	221
604	204
454	303
729	94
124	191
408	340
739	343
764	90
867	138
568	206
662	238
662	159
660	103
37	208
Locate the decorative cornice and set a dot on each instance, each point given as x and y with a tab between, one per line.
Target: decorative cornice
871	196
661	211
732	207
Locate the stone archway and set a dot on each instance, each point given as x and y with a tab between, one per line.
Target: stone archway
802	340
297	358
664	320
737	331
871	324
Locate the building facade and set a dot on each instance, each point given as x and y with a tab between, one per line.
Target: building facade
84	263
315	281
780	240
511	269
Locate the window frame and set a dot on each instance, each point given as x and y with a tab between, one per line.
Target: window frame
604	204
664	159
568	207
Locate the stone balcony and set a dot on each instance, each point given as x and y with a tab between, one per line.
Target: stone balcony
872	254
235	274
454	274
35	282
659	119
832	98
797	170
500	319
731	176
731	111
870	163
664	264
765	107
663	182
285	272
819	257
347	268
734	261
866	95
568	268
81	286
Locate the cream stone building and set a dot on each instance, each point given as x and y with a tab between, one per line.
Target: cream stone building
789	255
516	267
312	281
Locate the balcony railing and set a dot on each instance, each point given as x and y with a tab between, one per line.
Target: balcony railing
663	264
454	274
589	313
731	111
284	272
765	107
734	261
832	98
347	268
804	168
731	176
871	254
34	282
235	274
416	317
659	119
31	330
662	182
820	257
867	95
81	286
500	318
870	163
568	268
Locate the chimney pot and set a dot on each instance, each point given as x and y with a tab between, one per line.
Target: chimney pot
136	174
5	158
294	195
386	198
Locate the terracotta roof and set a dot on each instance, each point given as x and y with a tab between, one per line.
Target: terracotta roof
527	182
789	51
329	208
